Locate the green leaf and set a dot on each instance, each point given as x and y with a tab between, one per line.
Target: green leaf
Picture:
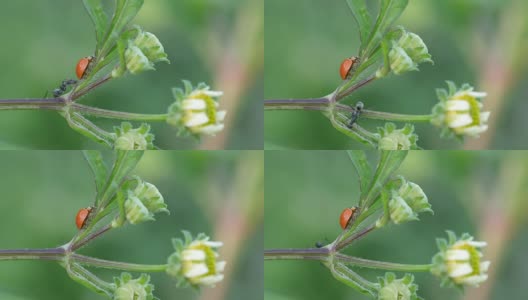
390	11
125	163
363	18
389	162
98	166
99	18
125	11
361	164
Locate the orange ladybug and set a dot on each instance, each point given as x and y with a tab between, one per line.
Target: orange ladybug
82	216
82	66
346	215
346	66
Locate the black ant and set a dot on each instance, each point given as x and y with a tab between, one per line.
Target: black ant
62	88
355	114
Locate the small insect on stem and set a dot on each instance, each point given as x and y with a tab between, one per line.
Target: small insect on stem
347	66
82	216
355	114
83	66
348	215
62	88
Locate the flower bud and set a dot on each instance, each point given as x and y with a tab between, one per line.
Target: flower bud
397	139
150	197
400	61
196	110
143	202
415	197
407	200
459	111
397	289
127	288
195	261
128	138
459	261
151	47
136	61
414	47
400	211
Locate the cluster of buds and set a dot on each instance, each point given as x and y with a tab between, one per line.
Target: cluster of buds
128	138
459	261
407	52
397	289
195	261
397	139
143	49
195	110
143	200
127	288
459	111
407	200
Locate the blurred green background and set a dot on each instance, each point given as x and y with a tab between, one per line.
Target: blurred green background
479	42
219	193
483	193
217	42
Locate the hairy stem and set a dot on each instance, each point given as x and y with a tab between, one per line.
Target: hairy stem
108	264
90	237
297	254
374	264
32	104
378	115
110	114
33	254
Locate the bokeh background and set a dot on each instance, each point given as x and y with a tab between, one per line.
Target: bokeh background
218	193
217	42
482	193
479	42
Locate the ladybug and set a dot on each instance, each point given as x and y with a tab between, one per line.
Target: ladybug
82	216
82	66
346	216
346	66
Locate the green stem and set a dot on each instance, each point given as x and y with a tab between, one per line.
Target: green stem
378	115
79	244
297	104
297	254
32	104
108	264
84	88
110	114
33	254
374	264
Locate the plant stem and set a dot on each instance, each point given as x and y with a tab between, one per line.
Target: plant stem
374	264
378	115
353	88
90	87
297	254
108	264
32	103
90	237
110	114
33	254
300	104
347	241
